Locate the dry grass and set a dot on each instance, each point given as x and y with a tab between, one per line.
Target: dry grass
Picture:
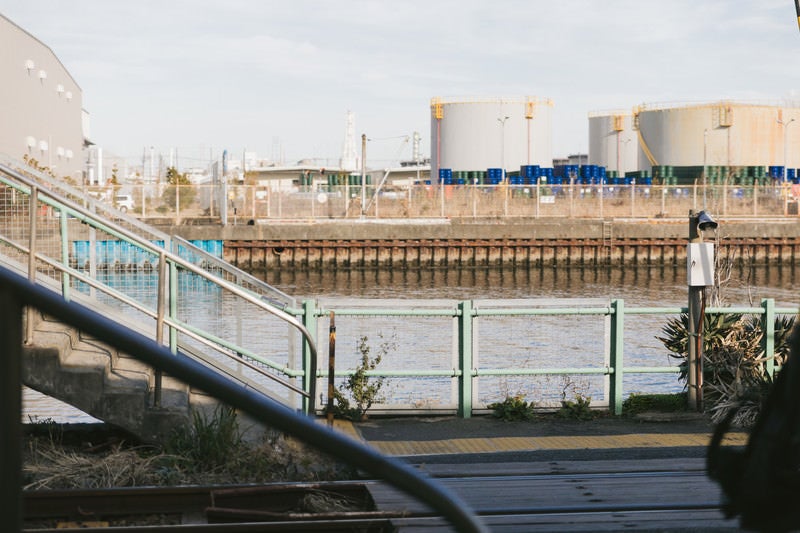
51	463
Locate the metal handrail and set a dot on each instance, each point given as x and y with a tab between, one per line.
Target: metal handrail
53	199
16	292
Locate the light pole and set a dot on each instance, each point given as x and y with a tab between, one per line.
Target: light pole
785	144
502	122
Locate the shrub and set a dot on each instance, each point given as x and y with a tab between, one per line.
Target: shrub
664	403
512	408
734	370
363	389
576	409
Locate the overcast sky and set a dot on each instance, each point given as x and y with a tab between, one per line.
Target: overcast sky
279	77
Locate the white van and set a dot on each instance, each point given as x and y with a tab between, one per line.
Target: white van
123	202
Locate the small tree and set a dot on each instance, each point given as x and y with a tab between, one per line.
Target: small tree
363	389
177	180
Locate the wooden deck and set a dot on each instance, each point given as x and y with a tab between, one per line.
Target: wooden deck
652	495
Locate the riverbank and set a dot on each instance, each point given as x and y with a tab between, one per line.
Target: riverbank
464	243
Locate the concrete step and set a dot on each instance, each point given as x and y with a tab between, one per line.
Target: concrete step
116	388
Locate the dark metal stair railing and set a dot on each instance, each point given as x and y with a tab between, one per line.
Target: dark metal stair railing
16	292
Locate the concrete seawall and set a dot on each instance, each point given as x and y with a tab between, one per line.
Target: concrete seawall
458	244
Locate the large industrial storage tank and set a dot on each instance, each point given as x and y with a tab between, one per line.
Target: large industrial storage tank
612	142
478	134
723	134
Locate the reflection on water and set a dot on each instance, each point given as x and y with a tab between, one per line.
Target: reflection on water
638	287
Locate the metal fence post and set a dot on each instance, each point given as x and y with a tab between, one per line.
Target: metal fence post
617	341
768	334
309	362
465	362
11	409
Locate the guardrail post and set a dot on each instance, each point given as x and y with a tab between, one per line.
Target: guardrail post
33	200
768	336
11	409
309	362
63	225
465	362
617	338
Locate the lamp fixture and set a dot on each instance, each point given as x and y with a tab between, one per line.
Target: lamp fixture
43	146
29	65
60	89
42	74
30	141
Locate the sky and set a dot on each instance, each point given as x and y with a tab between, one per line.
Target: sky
279	77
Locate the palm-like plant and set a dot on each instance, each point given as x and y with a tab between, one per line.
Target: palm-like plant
734	370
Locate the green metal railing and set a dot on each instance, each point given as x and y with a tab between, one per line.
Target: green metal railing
467	315
44	223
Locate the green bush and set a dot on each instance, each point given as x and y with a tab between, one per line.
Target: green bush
663	403
734	364
512	408
577	409
360	387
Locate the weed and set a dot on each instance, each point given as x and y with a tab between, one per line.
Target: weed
208	442
513	408
664	403
577	409
363	389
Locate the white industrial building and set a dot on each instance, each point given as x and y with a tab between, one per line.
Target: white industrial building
473	134
40	105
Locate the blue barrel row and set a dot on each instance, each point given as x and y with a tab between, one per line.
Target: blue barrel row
111	254
783	173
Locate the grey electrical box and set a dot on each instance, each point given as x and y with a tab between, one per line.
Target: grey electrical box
700	264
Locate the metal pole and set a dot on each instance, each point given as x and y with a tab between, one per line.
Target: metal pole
694	337
363	172
11	409
331	368
32	245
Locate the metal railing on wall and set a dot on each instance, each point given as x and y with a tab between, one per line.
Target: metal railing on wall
457	350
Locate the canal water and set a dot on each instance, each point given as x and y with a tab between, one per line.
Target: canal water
637	286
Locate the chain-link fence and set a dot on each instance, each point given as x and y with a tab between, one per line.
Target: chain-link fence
246	203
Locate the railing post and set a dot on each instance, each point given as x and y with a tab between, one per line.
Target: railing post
309	361
617	341
768	334
11	409
64	223
465	362
34	199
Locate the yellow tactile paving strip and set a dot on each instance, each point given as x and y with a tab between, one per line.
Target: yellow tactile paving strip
516	444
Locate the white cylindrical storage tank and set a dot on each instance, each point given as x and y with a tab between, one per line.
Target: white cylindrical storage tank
612	142
477	134
727	134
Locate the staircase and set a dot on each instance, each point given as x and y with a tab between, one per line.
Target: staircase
65	364
44	223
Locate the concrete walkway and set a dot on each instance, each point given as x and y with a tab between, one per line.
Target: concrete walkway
410	437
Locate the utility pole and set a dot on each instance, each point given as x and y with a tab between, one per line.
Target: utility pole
363	172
